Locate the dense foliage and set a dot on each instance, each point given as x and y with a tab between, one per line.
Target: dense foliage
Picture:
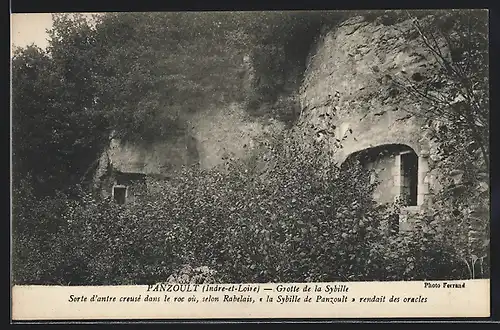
455	106
56	133
139	76
282	225
278	216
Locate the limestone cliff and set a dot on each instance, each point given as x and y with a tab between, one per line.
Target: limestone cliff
351	103
349	95
214	136
347	98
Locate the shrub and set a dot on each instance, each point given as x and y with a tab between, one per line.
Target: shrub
256	220
187	274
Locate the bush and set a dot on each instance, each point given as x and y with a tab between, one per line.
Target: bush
271	218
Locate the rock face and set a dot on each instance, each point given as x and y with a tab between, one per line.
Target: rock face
223	134
214	135
348	90
350	101
152	158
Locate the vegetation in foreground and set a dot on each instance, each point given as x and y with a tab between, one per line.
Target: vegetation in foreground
295	222
243	225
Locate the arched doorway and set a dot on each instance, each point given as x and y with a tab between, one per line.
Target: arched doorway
395	169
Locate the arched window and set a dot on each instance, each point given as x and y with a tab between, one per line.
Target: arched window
394	167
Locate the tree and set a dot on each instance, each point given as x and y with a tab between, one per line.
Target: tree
57	131
457	95
158	68
455	107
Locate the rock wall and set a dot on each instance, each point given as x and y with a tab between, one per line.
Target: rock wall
228	133
349	93
383	172
151	158
351	103
348	100
215	135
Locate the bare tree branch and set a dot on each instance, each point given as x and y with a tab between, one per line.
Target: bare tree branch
472	116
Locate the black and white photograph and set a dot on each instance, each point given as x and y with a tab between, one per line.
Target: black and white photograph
250	147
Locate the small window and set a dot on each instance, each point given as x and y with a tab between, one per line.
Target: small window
409	178
119	194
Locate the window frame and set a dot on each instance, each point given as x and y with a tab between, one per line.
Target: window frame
119	186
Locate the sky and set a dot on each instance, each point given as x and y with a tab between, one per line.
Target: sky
27	29
30	28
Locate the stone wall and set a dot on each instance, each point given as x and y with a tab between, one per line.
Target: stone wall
383	172
149	158
348	91
349	99
227	133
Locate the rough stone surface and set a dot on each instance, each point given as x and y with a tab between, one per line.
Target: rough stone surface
222	134
148	158
382	168
215	135
349	93
351	103
348	100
